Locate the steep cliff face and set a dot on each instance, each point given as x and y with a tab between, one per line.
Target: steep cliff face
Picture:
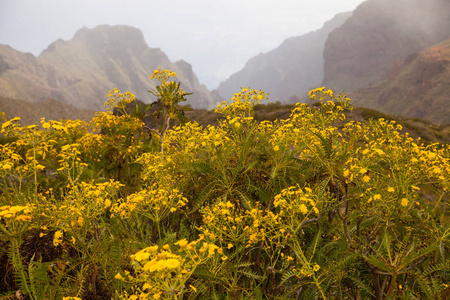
418	87
363	51
82	71
292	69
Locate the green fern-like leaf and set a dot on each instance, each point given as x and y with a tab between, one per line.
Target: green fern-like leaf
251	274
286	276
362	285
8	296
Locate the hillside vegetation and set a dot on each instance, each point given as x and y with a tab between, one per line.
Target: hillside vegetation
50	109
427	131
419	87
307	206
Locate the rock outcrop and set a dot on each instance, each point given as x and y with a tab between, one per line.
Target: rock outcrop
363	51
418	87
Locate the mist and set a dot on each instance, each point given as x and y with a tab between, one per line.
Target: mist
217	38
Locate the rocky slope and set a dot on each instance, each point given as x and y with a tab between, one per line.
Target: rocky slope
293	68
363	51
418	87
82	71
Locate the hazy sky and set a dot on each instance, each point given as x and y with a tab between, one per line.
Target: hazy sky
216	36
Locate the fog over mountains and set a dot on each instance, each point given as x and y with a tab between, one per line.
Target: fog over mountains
360	50
82	71
380	33
379	53
292	69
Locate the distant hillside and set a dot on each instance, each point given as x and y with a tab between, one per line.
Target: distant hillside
50	109
363	51
82	71
427	131
419	87
292	69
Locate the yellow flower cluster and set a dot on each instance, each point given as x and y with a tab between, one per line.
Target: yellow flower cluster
10	125
162	75
227	225
71	163
267	201
119	100
242	103
19	213
163	273
296	203
156	203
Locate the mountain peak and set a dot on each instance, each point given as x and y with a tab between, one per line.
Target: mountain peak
82	70
118	37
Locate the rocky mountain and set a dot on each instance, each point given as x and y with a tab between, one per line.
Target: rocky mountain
293	68
363	51
418	87
81	71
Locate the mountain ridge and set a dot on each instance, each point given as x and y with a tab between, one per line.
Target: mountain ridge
82	70
291	69
363	51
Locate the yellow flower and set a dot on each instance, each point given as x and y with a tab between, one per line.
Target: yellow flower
57	238
276	148
193	288
157	296
404	202
211	249
118	276
182	243
172	263
303	209
141	256
107	203
153	248
23	218
366	178
391	189
316	267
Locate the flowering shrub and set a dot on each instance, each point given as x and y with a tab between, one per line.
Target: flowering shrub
310	207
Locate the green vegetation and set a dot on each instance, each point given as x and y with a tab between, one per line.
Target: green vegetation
307	206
